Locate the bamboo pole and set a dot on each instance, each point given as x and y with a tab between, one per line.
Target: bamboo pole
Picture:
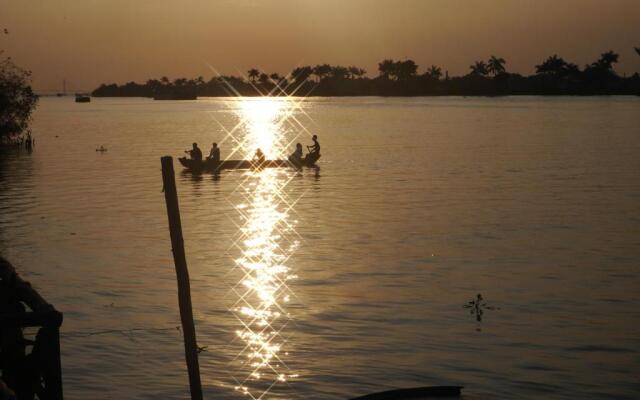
184	291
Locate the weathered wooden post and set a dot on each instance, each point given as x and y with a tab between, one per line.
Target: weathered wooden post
184	291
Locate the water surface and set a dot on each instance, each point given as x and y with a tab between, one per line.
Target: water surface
419	205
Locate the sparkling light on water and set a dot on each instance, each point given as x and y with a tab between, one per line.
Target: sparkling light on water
266	242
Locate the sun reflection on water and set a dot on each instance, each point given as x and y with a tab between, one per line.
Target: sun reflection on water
267	241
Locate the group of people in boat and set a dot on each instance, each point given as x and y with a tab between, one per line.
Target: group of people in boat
196	154
296	157
314	152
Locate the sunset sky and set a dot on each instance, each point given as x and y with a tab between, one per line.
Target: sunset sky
88	42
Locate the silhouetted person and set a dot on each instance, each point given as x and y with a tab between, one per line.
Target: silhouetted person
259	156
214	154
296	156
195	153
314	152
315	147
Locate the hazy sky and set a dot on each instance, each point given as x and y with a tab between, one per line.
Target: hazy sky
88	42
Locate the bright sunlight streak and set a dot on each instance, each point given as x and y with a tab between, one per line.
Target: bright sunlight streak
262	119
266	125
267	240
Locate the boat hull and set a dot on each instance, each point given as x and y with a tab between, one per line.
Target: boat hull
211	166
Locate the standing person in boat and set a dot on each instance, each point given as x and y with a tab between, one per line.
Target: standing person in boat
259	156
296	156
214	154
195	153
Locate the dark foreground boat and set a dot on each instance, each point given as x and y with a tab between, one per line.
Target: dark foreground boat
211	166
427	392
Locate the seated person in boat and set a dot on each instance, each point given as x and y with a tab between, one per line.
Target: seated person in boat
195	153
214	154
314	152
296	156
315	147
259	156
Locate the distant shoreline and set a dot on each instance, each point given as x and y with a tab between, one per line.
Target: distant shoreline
507	85
470	85
553	77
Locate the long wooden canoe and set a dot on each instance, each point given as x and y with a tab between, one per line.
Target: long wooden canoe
211	166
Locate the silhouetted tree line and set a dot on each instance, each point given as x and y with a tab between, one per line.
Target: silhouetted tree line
554	76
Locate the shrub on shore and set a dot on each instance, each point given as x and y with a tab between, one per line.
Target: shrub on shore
17	101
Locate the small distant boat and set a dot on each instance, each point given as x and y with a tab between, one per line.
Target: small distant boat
211	166
83	98
101	149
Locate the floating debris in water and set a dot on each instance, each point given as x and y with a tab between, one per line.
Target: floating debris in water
477	307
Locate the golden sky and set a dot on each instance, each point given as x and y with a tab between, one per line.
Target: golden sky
88	42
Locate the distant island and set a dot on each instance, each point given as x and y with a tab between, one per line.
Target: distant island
553	76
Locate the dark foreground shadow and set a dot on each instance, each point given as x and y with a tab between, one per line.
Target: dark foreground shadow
426	392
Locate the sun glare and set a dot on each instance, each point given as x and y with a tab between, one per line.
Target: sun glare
264	119
267	240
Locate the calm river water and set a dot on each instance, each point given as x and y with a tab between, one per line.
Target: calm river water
346	280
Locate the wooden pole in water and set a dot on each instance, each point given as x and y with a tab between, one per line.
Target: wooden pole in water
184	291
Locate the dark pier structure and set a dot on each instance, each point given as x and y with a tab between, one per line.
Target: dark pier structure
30	368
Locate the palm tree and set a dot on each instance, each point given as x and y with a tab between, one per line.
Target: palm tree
386	68
355	72
301	74
180	82
263	78
556	66
606	60
153	84
339	72
602	68
253	74
405	70
434	72
275	78
495	65
552	65
321	71
479	68
571	69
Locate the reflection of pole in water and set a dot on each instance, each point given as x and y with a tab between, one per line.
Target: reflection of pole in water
263	289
